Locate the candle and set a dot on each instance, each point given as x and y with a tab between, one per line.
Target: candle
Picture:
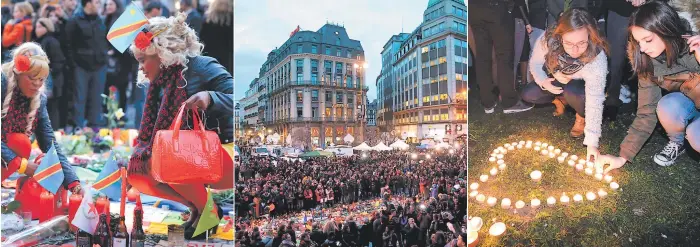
572	163
574	157
614	186
561	159
511	148
550	148
535	203
589	164
502	167
481	198
521	142
545	152
598	176
505	203
529	145
494	171
497	229
544	145
582	161
73	203
514	144
552	155
46	201
122	207
473	194
500	156
519	204
589	171
564	154
579	167
472	236
496	151
491	201
551	201
494	154
474	186
578	198
102	205
506	145
557	151
537	148
484	178
520	146
492	159
564	199
529	141
608	178
538	144
536	175
590	196
500	162
476	223
602	193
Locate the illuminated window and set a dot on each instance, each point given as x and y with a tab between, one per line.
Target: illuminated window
443	96
435	98
426	99
415	101
436	117
458	77
444	116
426	118
443	59
432	62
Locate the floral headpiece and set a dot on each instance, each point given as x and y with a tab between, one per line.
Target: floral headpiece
23	61
144	39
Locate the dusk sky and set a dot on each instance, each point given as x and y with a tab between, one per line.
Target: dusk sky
260	26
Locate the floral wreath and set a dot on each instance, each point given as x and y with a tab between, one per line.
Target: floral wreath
145	39
23	61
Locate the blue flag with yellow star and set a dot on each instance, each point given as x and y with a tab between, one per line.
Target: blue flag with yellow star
49	174
126	27
109	181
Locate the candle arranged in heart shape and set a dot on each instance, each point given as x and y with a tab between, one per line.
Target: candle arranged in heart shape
484	178
505	203
519	204
536	175
535	203
474	186
551	201
473	194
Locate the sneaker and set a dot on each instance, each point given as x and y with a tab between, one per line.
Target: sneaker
670	153
518	107
490	110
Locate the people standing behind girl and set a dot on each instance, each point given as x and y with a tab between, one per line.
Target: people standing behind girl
44	31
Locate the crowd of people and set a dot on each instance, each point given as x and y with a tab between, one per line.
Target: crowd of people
386	198
573	53
84	65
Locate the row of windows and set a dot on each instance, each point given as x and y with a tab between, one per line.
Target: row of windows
459	12
435	45
460	27
435	97
348	113
329	97
437	28
434	14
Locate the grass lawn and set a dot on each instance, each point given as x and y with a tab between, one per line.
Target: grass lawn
656	206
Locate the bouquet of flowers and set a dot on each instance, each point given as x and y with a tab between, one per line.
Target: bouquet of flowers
114	113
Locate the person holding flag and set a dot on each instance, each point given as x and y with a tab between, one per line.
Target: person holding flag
24	114
170	60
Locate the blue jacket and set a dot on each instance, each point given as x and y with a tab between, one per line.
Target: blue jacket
44	136
206	74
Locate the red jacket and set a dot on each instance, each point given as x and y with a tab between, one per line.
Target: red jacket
18	33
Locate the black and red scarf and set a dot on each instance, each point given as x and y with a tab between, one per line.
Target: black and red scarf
16	119
159	114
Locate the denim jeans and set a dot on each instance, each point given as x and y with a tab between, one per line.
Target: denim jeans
574	93
679	117
88	88
139	96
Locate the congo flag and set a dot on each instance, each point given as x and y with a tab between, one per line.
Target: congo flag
49	174
109	181
126	27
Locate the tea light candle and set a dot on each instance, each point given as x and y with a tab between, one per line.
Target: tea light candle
502	167
511	148
557	151
492	159
564	154
589	171
550	148
535	203
497	229
529	145
514	144
500	162
614	186
496	151
521	143
493	154
590	164
491	201
484	178
590	196
472	236
561	159
544	145
602	193
551	201
519	204
608	178
474	186
578	198
493	171
537	148
476	223
582	161
520	146
538	144
579	167
500	156
529	141
552	155
506	145
572	163
574	157
481	198
505	203
564	199
473	194
545	152
598	176
536	175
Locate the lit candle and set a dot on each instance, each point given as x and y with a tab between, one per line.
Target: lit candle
590	164
578	198
574	157
505	203
492	159
551	148
502	167
496	151
537	148
589	171
602	193
520	146
500	156
552	155
514	144
521	142
497	229
506	145
582	161
519	204
536	175
544	145
493	171
529	145
481	198
564	154
474	186
535	203
564	199
476	223
557	151
494	154
472	236
572	163
614	186
529	141
590	196
608	178
500	162
484	178
473	194
598	176
545	152
561	159
538	144
511	148
579	167
551	201
491	201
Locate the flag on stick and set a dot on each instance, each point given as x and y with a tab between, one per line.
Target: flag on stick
49	174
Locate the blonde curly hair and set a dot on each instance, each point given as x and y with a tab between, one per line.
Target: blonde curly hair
38	69
175	42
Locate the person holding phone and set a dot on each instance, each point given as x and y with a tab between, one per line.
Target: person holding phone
663	56
570	60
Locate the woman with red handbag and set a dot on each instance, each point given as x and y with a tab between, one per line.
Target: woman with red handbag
24	114
169	163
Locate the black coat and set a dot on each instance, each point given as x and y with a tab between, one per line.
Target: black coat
52	47
84	41
365	234
412	235
318	237
218	43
